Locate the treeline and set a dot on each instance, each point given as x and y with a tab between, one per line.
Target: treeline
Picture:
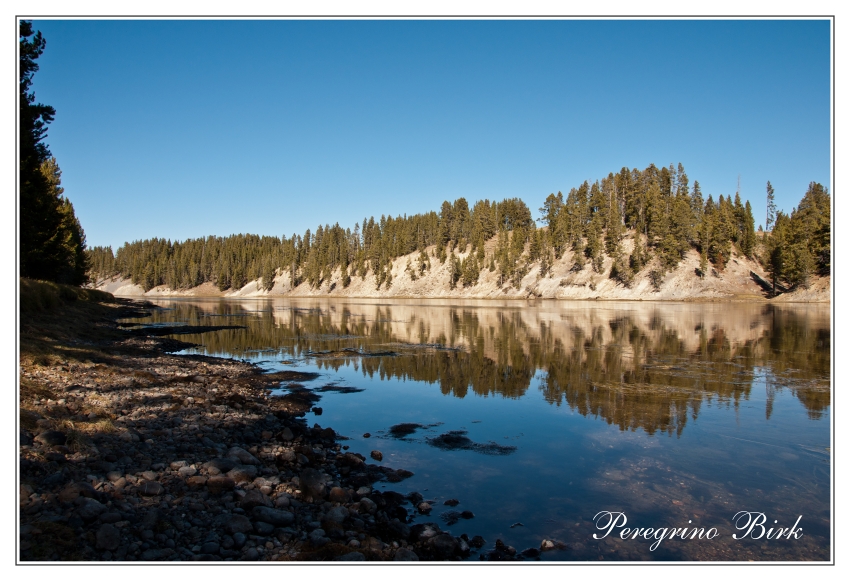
51	238
799	244
231	262
665	215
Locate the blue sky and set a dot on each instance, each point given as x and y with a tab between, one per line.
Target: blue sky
181	129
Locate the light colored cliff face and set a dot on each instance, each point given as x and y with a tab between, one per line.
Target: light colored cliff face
734	282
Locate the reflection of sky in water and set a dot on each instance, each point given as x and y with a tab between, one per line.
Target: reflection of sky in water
567	466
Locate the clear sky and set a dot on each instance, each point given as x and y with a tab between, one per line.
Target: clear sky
181	129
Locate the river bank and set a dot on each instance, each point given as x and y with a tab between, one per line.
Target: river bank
742	279
129	452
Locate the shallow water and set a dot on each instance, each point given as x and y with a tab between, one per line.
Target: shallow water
676	415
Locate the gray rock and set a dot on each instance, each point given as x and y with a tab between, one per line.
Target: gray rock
312	483
89	508
287	435
150	519
51	438
156	554
245	473
336	515
210	548
242	456
368	505
54	479
74	490
287	456
318	538
278	518
219	465
251	554
405	555
263	528
110	517
187	471
254	498
218	484
114	476
443	545
178	464
398	529
239	540
151	488
149	475
376	455
423	508
238	523
108	537
338	494
352	556
196	481
425	531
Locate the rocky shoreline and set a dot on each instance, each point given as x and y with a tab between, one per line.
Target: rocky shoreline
132	453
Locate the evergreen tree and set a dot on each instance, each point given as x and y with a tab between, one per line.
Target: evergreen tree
52	242
771	208
777	249
748	234
454	271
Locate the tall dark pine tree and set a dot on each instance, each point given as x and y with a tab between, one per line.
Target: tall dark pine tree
51	238
771	208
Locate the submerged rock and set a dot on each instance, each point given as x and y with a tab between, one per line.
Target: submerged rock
457	440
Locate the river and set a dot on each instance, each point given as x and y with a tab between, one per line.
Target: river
537	416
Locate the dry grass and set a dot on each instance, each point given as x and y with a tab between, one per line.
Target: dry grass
31	390
29	419
39	296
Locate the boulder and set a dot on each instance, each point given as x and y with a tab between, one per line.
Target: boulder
276	517
242	456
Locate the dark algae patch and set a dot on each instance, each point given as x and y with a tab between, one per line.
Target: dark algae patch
289	375
457	440
161	331
403	430
406	429
453	516
338	389
300	400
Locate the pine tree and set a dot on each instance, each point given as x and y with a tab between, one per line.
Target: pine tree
748	235
771	208
52	241
777	249
454	271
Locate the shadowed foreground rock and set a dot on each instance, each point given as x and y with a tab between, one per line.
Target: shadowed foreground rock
129	453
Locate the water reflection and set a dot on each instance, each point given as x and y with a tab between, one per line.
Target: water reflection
639	367
575	396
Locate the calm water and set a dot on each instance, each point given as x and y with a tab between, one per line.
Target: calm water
676	415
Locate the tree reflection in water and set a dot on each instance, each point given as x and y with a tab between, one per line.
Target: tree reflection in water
638	366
